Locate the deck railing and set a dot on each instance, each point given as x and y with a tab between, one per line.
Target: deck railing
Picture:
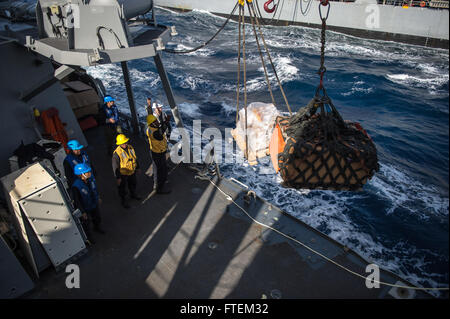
438	4
126	123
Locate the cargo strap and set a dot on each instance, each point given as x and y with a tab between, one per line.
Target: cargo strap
242	31
241	44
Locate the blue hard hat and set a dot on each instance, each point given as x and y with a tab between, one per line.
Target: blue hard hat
74	145
81	169
108	99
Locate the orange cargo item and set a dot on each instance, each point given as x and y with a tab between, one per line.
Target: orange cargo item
54	127
276	146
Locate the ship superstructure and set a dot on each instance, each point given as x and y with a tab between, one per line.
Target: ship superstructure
416	22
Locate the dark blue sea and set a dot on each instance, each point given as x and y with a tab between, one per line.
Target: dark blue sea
398	92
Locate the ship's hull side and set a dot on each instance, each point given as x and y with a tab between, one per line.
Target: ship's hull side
415	25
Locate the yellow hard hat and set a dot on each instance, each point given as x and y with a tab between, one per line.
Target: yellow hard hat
150	119
36	112
121	139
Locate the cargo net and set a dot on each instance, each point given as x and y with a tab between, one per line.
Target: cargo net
323	151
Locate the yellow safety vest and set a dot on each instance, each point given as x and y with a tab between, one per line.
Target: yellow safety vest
155	145
127	160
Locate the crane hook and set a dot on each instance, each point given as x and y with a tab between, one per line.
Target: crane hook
266	6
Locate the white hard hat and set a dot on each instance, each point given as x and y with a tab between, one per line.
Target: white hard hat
154	106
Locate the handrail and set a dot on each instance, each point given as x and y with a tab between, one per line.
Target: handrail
438	4
435	4
126	123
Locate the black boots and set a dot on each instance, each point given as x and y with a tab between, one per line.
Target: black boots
163	190
134	196
99	230
124	203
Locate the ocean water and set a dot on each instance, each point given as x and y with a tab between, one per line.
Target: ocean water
398	92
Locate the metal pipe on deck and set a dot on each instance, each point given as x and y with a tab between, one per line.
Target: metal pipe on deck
168	90
133	8
126	78
170	98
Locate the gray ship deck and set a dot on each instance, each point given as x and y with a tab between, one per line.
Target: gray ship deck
194	243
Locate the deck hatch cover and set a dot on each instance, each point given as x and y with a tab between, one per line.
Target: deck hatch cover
53	224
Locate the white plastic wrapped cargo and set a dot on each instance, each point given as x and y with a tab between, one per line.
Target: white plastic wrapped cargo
260	122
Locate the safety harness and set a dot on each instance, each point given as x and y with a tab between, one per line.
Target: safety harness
127	159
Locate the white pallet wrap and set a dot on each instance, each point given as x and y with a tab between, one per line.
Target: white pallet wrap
260	122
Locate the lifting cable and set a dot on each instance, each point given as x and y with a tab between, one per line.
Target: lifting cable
295	12
254	20
245	74
207	42
253	11
239	65
228	197
279	15
274	14
259	11
253	15
307	7
262	58
241	28
324	99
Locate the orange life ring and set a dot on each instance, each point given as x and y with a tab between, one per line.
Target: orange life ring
423	4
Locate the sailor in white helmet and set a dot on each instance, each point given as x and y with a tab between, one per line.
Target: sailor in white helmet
154	109
161	116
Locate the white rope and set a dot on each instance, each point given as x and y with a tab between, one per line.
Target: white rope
316	252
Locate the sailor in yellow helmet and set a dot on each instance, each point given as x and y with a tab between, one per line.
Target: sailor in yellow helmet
125	165
156	133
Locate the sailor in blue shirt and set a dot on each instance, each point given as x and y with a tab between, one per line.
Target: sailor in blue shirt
110	121
76	156
111	112
86	199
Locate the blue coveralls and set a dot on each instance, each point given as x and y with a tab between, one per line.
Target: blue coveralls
69	163
111	113
86	199
110	128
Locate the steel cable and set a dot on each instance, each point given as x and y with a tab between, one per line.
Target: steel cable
207	42
270	58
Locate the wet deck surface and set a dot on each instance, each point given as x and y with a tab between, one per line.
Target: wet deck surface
194	243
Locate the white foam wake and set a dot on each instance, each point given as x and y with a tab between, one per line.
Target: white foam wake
431	83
